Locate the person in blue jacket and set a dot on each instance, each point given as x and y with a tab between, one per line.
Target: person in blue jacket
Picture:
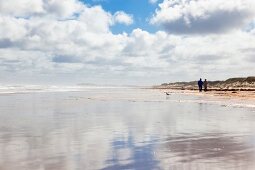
200	85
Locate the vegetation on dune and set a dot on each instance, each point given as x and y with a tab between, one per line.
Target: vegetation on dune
239	83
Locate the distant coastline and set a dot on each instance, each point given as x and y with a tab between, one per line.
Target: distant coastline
231	84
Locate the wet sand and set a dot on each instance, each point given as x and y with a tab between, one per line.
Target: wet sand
124	129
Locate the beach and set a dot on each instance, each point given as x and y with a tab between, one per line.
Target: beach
237	96
113	85
125	128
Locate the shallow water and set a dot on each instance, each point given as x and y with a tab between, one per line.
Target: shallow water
123	129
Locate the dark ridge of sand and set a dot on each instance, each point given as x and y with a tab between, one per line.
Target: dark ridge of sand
209	89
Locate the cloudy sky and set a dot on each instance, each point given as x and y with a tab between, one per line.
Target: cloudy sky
125	41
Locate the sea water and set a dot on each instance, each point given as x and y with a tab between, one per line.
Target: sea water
122	128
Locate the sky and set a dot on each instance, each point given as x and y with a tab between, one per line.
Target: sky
125	42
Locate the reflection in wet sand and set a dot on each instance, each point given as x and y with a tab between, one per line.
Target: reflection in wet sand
126	155
221	150
68	130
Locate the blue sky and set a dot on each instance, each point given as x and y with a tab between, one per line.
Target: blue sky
142	11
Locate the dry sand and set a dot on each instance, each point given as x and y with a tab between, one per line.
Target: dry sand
237	95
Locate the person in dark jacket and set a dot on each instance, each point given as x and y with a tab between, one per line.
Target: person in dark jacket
205	85
200	85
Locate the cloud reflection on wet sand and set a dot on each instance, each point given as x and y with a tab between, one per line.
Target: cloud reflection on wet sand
55	131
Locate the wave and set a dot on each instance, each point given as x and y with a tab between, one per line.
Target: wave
8	89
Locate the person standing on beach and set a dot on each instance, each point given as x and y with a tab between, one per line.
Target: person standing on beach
200	85
205	85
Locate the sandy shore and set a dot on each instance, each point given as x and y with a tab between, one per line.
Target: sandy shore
239	95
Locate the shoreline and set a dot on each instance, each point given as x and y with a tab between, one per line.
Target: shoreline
209	89
242	95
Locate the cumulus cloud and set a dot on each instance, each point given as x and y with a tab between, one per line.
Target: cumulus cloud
122	17
153	1
73	42
27	8
54	34
203	16
22	8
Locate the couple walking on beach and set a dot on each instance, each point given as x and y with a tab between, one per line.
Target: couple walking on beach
201	84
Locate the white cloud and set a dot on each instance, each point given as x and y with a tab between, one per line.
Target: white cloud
22	8
153	1
62	45
95	19
28	8
63	9
123	18
204	16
